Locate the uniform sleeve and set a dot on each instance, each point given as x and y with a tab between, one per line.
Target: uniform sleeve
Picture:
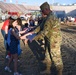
43	32
37	29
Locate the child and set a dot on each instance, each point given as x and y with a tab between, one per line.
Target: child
27	34
19	28
13	46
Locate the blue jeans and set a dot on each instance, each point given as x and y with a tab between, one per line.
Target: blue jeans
3	34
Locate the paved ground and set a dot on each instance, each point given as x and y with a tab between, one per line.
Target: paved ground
30	59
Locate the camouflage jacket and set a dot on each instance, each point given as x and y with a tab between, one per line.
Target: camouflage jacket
51	30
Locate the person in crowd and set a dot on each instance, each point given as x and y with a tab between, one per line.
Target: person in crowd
4	32
25	34
18	29
52	34
13	45
4	29
19	21
31	21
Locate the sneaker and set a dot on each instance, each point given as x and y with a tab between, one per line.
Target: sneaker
7	69
7	57
16	73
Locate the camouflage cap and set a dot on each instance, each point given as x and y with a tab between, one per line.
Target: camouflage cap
44	5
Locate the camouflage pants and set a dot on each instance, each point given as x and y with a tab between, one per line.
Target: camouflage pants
53	56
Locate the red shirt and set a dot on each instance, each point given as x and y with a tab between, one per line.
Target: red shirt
6	23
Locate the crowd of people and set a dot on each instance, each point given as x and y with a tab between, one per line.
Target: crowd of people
48	29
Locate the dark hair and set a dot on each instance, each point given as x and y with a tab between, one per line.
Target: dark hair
11	20
19	21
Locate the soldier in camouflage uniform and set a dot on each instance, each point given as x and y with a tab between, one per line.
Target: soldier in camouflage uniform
51	33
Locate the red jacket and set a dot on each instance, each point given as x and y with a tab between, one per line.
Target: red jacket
6	23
